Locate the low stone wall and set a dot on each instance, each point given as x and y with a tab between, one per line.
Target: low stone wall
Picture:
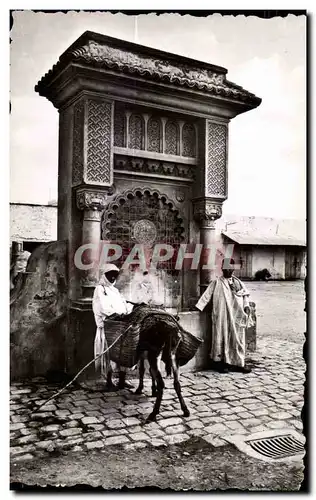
198	324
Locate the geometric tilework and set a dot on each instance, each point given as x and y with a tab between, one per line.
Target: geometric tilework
216	166
98	141
78	138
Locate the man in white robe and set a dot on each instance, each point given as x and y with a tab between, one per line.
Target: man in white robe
229	305
108	302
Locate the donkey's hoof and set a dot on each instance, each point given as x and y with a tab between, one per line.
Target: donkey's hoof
138	391
151	418
186	413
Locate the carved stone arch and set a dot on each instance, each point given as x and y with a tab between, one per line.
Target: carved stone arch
156	206
154	134
172	138
136	132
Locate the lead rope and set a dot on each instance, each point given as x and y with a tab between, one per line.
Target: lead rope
82	369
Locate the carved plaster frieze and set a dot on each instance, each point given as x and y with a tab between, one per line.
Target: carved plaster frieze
141	63
156	167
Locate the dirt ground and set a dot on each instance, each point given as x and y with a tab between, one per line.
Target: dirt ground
194	465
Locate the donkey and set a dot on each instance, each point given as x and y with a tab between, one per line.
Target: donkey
160	340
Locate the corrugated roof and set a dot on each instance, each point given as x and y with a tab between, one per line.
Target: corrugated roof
263	239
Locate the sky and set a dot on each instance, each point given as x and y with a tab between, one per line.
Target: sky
267	152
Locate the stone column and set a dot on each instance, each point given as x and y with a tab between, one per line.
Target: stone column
92	181
211	188
205	212
92	202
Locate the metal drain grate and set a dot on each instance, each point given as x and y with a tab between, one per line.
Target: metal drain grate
277	446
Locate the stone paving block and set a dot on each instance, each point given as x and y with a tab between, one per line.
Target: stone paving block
170	421
282	415
279	424
258	428
251	422
50	408
115	440
225	412
62	413
211	419
44	444
245	415
115	432
259	413
203	414
91	436
176	429
18	450
115	424
94	445
154	433
194	424
94	413
90	420
167	414
20	458
73	441
139	436
28	431
96	427
176	438
298	424
132	430
16	427
215	429
220	406
70	432
203	408
77	448
21	391
234	425
18	419
196	432
131	421
31	438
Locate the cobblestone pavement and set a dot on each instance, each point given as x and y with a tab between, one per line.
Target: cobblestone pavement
271	397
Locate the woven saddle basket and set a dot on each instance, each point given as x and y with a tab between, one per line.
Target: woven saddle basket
124	352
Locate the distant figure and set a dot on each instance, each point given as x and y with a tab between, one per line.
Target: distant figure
262	275
230	310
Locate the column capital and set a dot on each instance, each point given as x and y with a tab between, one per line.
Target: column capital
206	211
93	199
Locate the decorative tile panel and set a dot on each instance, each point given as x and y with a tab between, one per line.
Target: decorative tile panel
119	127
171	138
98	142
188	140
78	142
216	159
136	132
154	135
